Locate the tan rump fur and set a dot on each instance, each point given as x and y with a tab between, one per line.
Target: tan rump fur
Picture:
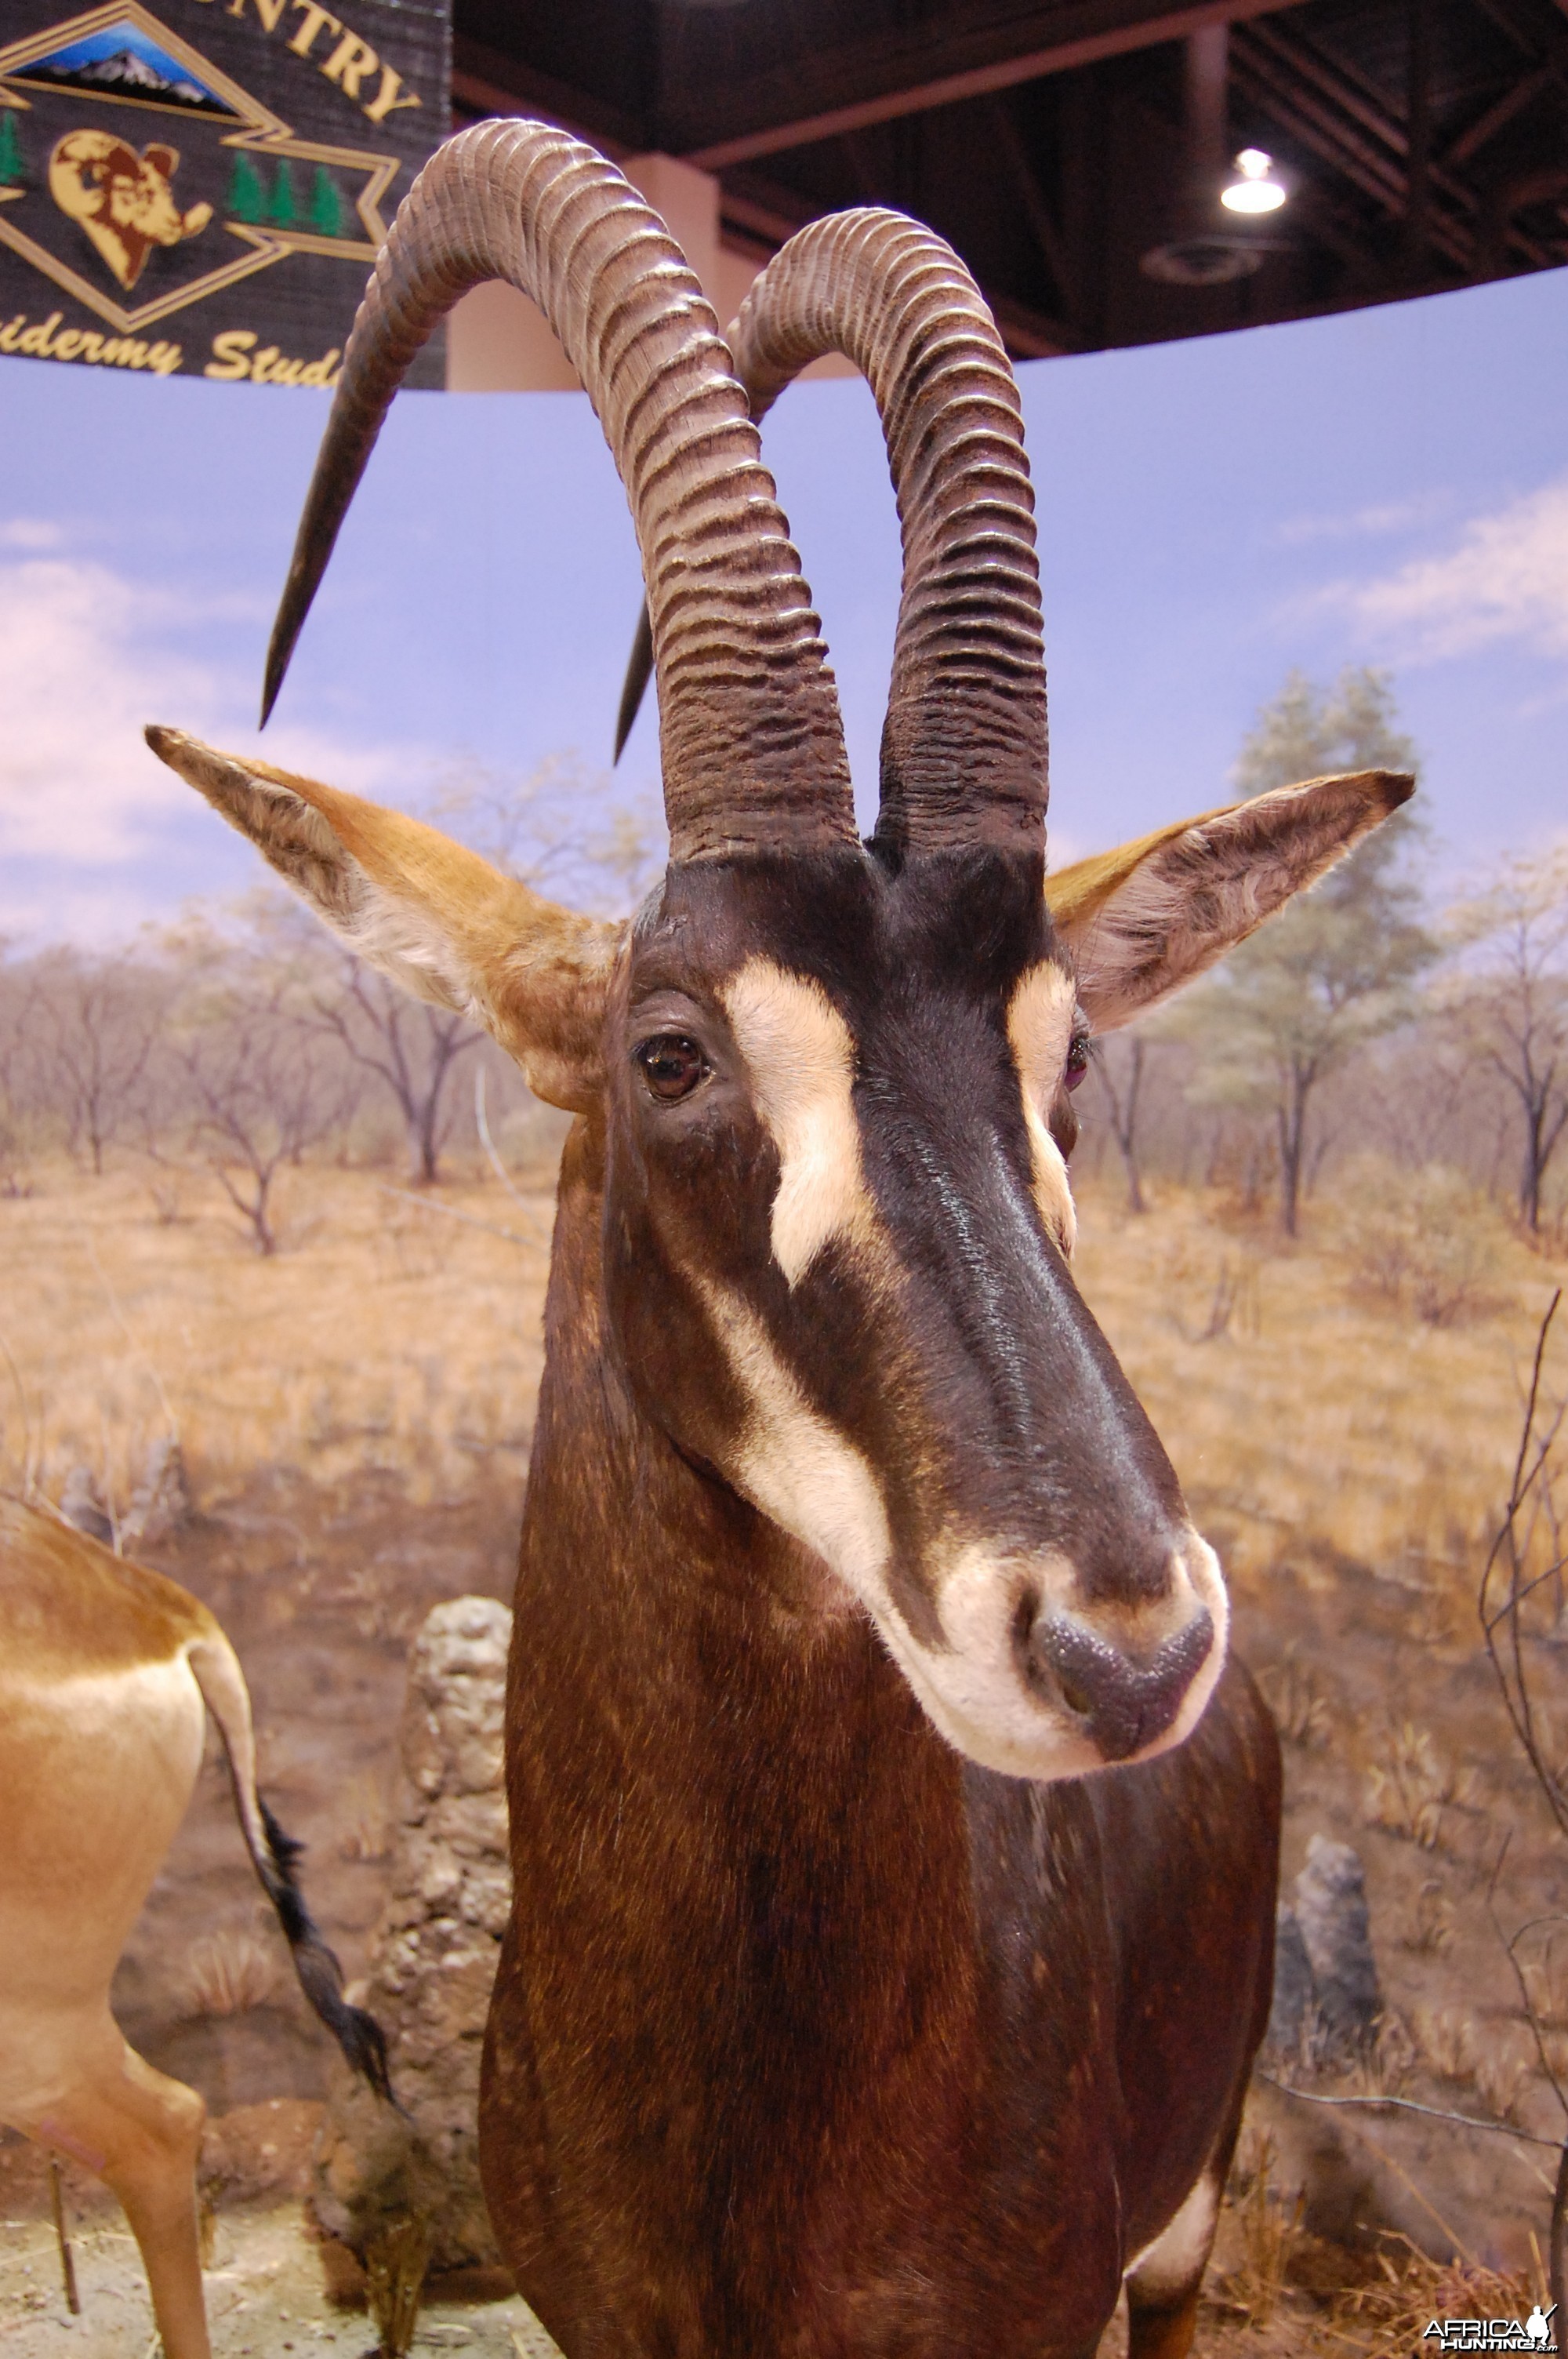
101	1733
106	1671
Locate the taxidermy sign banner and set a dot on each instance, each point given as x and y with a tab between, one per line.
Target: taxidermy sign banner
199	188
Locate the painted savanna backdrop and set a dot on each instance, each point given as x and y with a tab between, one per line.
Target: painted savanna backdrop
273	1242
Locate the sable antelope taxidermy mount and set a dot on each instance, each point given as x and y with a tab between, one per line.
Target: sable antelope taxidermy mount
895	1853
106	1670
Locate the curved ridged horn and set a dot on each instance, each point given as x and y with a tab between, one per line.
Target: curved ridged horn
752	744
964	746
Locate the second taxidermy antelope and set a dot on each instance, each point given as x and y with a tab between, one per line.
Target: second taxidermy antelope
895	1852
107	1673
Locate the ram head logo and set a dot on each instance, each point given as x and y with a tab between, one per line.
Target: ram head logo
122	199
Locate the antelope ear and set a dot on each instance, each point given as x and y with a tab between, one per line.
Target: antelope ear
1150	916
434	917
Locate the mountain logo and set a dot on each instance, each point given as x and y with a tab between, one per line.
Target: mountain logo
123	62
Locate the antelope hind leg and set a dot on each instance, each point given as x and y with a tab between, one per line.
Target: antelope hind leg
140	2133
1164	2282
1161	2333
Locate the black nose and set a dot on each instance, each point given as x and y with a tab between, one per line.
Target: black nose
1126	1706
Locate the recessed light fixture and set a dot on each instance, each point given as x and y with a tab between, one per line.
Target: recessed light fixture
1256	191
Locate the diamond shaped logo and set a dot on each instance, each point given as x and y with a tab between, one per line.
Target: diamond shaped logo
141	177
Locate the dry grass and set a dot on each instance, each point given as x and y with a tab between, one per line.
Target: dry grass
1432	1921
1392	2311
1545	1972
1410	1788
1295	1695
228	1974
368	1822
1304	1414
1428	1240
387	1334
1332	1421
1270	2232
1504	2078
1447	2039
1317	1423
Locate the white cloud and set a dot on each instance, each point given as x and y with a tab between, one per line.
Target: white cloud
30	532
1364	524
87	658
1506	578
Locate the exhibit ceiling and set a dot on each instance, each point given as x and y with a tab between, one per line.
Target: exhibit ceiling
1075	153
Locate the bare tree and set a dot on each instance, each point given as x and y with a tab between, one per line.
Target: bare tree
1122	1093
93	1023
413	1050
13	1070
530	828
1510	998
1520	1604
265	1086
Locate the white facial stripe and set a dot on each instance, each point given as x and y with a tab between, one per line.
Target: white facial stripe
1040	1028
802	1063
816	1485
793	1466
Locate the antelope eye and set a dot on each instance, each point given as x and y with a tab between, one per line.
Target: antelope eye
672	1065
1077	1060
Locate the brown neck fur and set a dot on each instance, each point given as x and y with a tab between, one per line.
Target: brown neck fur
779	2050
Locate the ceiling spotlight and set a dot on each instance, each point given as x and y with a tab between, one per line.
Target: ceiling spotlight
1255	191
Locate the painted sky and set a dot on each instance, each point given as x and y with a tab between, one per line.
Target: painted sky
1389	487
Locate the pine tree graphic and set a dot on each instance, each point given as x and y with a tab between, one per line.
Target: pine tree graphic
12	164
248	198
284	211
328	215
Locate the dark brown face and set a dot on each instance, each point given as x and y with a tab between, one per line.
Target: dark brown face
838	1226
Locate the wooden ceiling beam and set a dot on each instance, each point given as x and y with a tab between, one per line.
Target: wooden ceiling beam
1332	81
1032	335
768	213
1306	117
865	83
1328	77
1303	111
1036	207
1338	81
1502	112
772	217
493	81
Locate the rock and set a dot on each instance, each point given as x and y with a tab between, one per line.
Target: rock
259	2150
433	1958
160	1503
1293	2016
1331	1917
82	1508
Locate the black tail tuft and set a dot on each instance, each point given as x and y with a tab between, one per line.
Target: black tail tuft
320	1977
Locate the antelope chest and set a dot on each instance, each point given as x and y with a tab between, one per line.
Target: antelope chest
817	2046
